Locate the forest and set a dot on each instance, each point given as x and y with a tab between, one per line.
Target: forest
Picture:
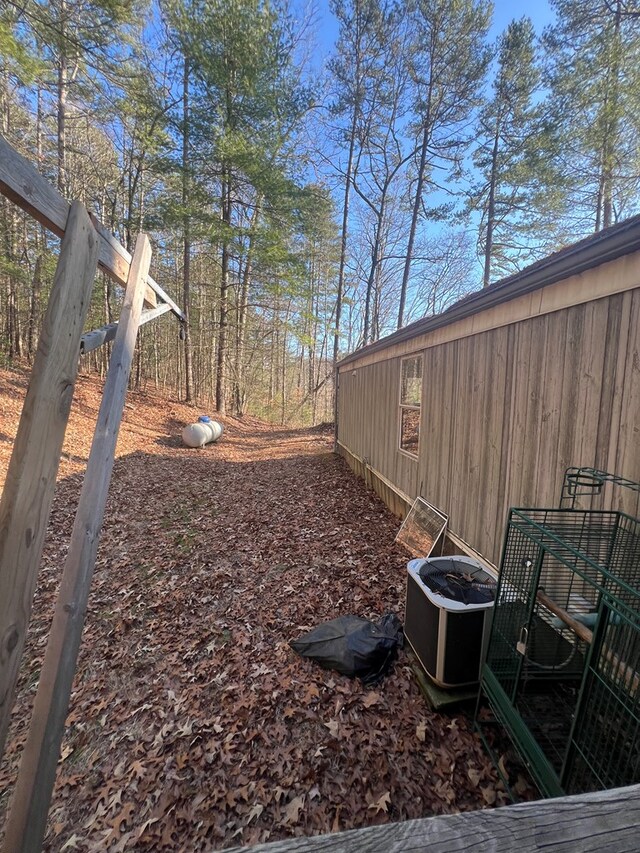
302	207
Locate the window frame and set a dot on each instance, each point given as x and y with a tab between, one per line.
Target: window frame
406	406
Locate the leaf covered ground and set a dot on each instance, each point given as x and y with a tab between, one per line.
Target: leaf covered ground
192	724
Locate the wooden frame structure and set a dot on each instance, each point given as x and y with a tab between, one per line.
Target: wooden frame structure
28	494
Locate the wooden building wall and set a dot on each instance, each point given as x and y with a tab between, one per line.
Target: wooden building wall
504	412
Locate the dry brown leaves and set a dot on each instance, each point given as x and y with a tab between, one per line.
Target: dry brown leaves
192	724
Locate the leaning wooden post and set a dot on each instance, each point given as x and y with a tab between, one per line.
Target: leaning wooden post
31	476
28	816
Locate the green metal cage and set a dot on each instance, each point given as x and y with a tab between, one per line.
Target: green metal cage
562	673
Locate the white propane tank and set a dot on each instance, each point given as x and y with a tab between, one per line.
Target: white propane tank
205	431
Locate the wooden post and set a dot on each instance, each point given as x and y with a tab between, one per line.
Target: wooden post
31	477
28	817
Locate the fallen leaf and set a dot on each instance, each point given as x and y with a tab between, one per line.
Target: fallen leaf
123	816
371	699
489	795
333	727
278	793
421	731
445	791
382	803
146	825
255	812
65	753
292	811
335	826
502	767
311	693
71	843
138	769
474	776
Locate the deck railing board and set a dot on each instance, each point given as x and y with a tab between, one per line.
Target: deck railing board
588	823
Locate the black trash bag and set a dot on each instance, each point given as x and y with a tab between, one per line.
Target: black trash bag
353	646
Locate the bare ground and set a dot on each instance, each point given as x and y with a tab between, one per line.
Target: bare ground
192	724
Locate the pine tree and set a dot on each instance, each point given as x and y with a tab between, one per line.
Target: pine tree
447	64
594	78
247	101
512	155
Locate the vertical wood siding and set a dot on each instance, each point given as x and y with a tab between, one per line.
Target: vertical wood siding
504	412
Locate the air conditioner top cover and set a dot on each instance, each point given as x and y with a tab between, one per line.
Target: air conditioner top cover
442	579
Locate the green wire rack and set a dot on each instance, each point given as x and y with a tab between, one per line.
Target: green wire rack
585	481
562	673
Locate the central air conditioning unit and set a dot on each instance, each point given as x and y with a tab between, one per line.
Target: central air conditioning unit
448	617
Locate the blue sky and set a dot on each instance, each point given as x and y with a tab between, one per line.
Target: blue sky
326	29
505	11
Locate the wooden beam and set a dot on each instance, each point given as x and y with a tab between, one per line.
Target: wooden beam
96	338
28	816
588	823
31	477
25	186
153	313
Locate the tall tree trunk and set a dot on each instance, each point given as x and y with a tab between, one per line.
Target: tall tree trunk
424	148
62	92
611	128
344	233
368	333
491	207
283	374
239	390
417	201
40	243
377	294
599	198
366	323
12	327
221	385
186	260
36	286
156	360
273	350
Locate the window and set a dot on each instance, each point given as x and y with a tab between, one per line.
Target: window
410	400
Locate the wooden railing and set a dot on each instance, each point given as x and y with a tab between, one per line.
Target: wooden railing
602	822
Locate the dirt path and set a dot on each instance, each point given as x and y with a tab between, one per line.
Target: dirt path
192	724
